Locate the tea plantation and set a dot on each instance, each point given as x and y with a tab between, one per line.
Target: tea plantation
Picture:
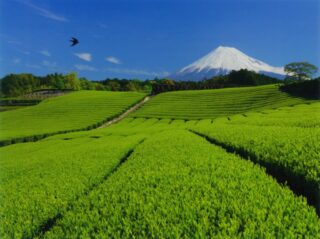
209	104
177	185
74	111
227	163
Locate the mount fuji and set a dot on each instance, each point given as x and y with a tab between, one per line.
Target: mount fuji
221	61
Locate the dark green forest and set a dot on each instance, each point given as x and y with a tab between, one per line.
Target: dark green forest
309	89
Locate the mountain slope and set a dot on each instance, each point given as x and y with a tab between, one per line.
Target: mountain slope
221	61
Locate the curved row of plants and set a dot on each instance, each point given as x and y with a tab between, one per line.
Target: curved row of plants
290	153
215	103
177	185
77	111
40	181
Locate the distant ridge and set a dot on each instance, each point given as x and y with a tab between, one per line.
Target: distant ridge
221	61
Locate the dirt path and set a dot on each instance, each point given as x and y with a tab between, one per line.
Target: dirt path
123	115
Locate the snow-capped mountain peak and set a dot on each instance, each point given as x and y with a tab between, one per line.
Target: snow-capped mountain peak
221	61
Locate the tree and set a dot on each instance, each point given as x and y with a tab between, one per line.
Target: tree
53	81
114	85
71	81
168	81
300	70
86	84
131	86
18	84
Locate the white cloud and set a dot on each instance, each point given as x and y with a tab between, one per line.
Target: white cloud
51	65
136	72
9	39
45	53
113	60
85	67
44	12
23	51
84	56
14	42
16	60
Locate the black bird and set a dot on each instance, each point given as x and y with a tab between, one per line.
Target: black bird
74	41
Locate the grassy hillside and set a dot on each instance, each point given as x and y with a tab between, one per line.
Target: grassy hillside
39	180
302	115
191	190
174	184
206	104
166	178
285	141
68	112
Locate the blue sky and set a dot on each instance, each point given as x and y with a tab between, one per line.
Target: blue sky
148	38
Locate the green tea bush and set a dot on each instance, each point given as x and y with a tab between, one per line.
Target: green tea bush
74	111
177	185
39	181
209	104
289	152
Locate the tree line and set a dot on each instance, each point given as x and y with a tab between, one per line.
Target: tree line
242	77
13	85
18	84
309	89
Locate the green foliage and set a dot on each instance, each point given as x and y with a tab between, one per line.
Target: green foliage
55	81
309	89
300	70
285	142
15	85
127	85
18	102
113	85
19	84
177	185
6	108
72	111
72	82
245	77
86	84
214	103
241	77
39	181
131	86
69	81
302	115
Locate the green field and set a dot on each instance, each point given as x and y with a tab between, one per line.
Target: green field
246	168
40	180
209	104
6	108
191	190
72	111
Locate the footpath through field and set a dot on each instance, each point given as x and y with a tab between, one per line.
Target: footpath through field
78	111
130	110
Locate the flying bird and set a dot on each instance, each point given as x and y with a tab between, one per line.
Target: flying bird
74	41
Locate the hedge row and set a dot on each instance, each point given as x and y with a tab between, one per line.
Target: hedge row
18	102
34	138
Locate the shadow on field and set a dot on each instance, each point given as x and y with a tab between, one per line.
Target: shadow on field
296	183
308	89
51	222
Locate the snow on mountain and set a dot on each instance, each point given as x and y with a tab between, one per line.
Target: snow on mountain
221	61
